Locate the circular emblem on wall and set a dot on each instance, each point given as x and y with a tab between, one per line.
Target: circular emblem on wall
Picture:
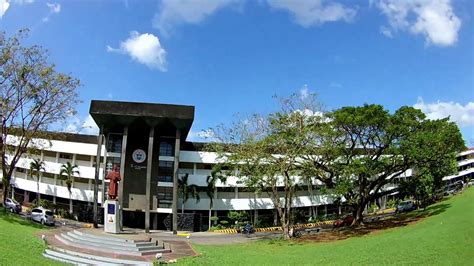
139	156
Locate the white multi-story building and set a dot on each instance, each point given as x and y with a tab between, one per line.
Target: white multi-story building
129	133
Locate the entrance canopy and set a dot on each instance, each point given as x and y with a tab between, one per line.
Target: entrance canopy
113	114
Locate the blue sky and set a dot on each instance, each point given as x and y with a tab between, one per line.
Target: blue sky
227	57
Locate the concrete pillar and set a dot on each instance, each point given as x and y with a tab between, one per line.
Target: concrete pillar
325	210
55	188
275	217
194	168
155	221
96	177
148	179
104	172
122	171
339	210
57	157
175	181
236	190
255	216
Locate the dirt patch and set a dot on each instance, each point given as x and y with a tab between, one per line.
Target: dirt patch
367	228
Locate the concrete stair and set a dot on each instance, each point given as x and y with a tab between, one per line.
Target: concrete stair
79	258
81	248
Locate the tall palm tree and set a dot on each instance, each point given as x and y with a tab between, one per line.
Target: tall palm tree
186	190
66	173
211	188
36	167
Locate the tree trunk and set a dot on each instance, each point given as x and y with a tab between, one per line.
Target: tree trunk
37	192
70	204
210	215
358	213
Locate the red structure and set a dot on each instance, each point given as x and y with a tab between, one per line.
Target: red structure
114	177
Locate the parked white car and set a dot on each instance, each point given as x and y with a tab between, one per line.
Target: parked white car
42	216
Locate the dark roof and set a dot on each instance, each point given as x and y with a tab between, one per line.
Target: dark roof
110	114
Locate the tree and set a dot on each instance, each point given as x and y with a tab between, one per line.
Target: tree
211	187
67	173
36	167
34	96
186	190
364	148
263	152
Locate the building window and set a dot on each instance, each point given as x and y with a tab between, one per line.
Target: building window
166	149
165	197
165	171
67	156
114	143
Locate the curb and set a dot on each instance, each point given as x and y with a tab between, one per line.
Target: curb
276	228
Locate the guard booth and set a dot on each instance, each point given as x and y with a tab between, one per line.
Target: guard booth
144	141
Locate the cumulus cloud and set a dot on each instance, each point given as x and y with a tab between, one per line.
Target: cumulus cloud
174	12
83	126
463	115
203	135
4	5
145	49
309	13
435	20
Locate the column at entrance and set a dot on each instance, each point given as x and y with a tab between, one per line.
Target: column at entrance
175	181
148	179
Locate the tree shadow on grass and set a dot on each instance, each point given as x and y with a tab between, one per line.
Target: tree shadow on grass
386	222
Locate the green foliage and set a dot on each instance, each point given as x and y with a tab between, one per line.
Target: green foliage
43	203
393	203
214	219
34	96
237	218
67	173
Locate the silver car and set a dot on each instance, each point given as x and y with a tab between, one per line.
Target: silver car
12	206
406	205
42	216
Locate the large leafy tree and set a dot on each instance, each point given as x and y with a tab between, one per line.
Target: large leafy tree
263	152
34	96
187	191
362	149
67	172
36	168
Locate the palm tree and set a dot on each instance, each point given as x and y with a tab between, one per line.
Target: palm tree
186	190
67	172
36	167
211	188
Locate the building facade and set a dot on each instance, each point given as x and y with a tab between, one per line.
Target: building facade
147	142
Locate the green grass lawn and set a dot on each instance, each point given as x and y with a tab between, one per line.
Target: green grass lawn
18	244
445	237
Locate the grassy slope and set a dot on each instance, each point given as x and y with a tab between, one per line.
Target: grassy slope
18	245
445	237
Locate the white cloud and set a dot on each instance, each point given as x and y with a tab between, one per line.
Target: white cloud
433	19
386	31
314	12
4	5
54	7
202	136
144	48
175	12
86	126
463	115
